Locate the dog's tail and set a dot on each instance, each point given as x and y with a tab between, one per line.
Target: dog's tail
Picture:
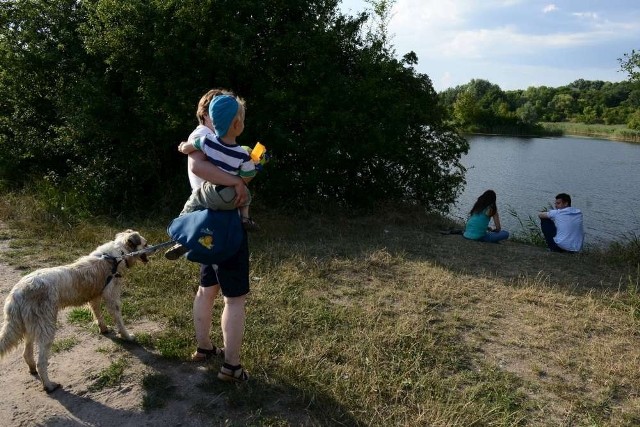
13	329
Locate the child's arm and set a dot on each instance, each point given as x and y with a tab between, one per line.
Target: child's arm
200	166
187	147
247	171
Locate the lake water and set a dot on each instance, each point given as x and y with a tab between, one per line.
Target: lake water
602	177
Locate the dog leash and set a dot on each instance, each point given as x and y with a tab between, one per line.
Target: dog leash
115	261
150	249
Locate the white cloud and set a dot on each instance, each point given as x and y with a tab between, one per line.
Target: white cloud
456	40
429	13
491	43
446	36
586	15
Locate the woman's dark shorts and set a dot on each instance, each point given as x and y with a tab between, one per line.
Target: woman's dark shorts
232	275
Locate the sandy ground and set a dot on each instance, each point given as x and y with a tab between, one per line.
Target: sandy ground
24	403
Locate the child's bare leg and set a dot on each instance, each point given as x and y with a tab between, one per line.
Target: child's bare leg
244	211
247	222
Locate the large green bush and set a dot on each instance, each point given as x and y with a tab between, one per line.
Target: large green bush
95	95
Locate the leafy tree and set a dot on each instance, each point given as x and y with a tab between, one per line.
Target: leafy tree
539	98
562	106
380	21
585	85
478	106
630	63
466	110
487	93
633	100
95	96
614	94
589	115
527	114
634	120
501	108
616	115
40	57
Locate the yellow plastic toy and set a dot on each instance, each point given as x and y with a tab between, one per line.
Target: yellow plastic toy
258	153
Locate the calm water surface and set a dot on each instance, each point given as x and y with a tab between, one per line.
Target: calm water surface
602	177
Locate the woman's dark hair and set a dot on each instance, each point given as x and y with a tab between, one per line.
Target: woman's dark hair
486	199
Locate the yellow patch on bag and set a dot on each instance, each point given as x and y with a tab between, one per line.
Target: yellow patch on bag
206	241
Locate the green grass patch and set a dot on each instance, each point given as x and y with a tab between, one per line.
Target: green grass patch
111	376
175	343
80	316
530	232
146	340
64	344
625	251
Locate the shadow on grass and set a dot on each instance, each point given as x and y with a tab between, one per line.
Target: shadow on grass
262	400
418	239
266	400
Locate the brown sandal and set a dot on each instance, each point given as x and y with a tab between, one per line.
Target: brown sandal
203	354
249	224
233	373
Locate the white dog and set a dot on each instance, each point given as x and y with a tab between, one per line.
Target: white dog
31	309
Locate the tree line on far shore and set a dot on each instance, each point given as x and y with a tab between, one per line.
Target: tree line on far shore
481	106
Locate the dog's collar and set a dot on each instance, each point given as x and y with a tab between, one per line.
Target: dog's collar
115	261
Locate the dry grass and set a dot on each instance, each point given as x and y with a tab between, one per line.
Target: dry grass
613	132
384	321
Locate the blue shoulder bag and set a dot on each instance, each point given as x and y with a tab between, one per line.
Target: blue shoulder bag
211	236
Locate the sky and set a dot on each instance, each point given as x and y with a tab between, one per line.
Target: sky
513	43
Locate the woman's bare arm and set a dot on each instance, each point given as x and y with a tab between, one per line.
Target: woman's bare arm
200	166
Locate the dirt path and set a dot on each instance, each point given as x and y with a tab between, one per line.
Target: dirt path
23	403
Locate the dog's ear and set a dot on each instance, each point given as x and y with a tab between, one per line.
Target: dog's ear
134	240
